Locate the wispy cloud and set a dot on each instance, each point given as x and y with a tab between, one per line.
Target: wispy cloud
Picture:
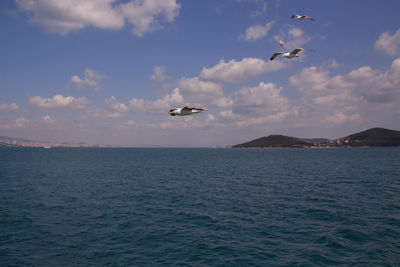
115	105
59	101
159	74
157	106
113	109
293	37
5	108
237	71
256	32
48	119
161	79
16	124
91	80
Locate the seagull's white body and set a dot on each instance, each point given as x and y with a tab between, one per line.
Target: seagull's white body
301	17
293	54
186	110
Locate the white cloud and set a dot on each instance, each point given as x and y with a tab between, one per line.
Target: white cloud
102	113
91	80
130	123
295	32
8	107
113	110
389	44
259	105
48	119
65	16
294	38
21	123
59	101
159	105
17	124
316	82
206	89
159	74
184	123
200	92
229	115
163	80
376	86
341	117
210	118
323	95
236	71
145	15
139	104
115	105
256	32
195	85
191	91
261	99
261	10
345	98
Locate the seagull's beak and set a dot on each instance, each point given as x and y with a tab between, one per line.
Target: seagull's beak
170	113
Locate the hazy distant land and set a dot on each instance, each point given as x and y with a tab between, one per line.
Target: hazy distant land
6	141
372	137
377	137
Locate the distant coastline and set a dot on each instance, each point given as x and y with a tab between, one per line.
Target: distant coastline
6	141
374	137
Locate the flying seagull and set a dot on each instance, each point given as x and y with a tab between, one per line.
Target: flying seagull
300	17
292	54
281	43
186	110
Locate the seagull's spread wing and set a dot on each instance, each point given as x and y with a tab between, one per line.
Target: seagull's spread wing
293	16
296	51
308	17
192	108
275	55
188	108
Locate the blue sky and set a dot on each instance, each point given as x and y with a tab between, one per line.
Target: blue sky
108	71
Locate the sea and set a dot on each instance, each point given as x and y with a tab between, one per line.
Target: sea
199	207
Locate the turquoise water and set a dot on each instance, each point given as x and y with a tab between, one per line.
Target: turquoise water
199	207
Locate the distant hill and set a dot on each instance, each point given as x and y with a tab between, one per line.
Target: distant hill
374	137
315	140
275	141
370	137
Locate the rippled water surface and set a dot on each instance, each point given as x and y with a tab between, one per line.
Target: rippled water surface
259	207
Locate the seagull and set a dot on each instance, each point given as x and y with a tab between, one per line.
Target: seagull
292	54
186	110
300	17
281	42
